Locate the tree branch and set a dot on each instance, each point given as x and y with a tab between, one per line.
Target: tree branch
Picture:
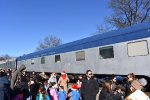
146	15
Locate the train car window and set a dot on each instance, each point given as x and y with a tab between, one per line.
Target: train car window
57	58
42	60
32	61
139	48
80	55
106	52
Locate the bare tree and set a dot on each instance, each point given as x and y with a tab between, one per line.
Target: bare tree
104	28
48	42
5	57
2	58
128	12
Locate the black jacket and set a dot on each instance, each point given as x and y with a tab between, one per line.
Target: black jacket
105	95
89	89
127	88
5	90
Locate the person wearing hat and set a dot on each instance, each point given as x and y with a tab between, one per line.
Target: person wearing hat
143	82
137	94
20	89
74	94
63	80
89	87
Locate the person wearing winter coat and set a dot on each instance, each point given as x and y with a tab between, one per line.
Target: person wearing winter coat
63	81
53	91
62	94
89	87
42	94
137	94
52	78
34	89
74	94
16	74
20	88
127	84
5	91
106	92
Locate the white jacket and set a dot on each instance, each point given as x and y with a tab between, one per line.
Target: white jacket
138	95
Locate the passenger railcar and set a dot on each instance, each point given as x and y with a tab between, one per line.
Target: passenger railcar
117	52
8	64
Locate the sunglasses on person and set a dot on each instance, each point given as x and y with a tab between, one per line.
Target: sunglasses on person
90	74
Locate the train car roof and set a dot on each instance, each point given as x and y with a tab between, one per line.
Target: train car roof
134	32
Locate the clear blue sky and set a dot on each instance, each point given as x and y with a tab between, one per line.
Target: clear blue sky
23	23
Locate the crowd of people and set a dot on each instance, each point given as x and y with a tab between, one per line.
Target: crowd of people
19	85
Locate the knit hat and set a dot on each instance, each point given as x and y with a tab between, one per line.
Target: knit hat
74	87
136	84
143	81
63	72
119	78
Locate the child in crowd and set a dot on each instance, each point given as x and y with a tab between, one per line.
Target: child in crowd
46	85
52	78
62	93
79	81
53	91
74	94
42	94
119	92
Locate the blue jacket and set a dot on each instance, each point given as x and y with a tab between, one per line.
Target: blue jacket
62	95
75	95
40	97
